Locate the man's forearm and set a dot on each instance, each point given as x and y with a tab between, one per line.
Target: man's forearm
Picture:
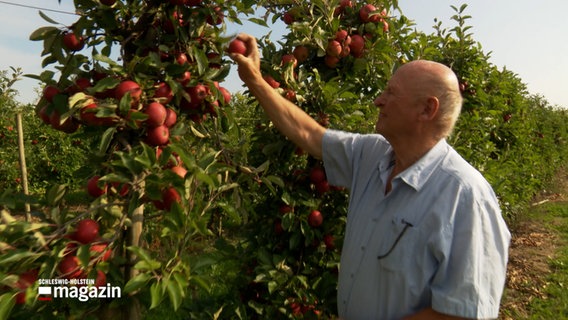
288	118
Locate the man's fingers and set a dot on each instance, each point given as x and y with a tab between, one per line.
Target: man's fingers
237	57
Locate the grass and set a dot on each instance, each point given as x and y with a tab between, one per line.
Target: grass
554	303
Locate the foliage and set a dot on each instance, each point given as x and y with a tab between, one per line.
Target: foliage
231	237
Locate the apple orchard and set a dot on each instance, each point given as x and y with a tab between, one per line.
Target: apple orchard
193	203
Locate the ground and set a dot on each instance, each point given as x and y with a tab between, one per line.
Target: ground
533	245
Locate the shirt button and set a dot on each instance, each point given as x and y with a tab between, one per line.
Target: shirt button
362	248
352	275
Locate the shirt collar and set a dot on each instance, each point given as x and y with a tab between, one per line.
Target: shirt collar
417	174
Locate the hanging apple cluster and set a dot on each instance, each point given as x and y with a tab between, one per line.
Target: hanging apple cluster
342	44
172	62
84	238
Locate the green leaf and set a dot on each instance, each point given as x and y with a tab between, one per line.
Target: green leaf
55	194
200	281
173	292
16	256
146	262
136	283
84	254
147	265
197	133
106	139
7	218
258	21
6	305
203	177
272	286
226	187
156	295
46	18
41	33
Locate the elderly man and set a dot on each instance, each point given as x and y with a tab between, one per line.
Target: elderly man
424	238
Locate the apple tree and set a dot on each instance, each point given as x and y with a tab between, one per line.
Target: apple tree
331	63
143	80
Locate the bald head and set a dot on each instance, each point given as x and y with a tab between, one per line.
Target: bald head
428	79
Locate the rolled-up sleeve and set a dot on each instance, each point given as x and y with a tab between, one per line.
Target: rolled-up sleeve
344	152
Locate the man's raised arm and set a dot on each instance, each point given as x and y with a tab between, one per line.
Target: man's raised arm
288	118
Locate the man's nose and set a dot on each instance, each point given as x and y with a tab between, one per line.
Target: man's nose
378	102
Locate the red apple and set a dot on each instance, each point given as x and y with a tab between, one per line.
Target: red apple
42	113
216	18
315	219
71	42
163	93
226	95
185	79
171	118
288	17
197	94
100	251
290	95
278	229
357	45
285	209
86	231
341	35
329	241
366	14
158	136
49	92
80	85
322	187
128	86
181	58
179	170
289	58
70	267
67	126
385	26
330	61
301	53
237	46
25	280
271	81
93	188
88	116
333	48
156	114
317	174
169	196
101	279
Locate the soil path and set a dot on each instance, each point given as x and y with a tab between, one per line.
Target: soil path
533	245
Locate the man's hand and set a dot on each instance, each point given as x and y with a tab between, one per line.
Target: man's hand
291	120
248	64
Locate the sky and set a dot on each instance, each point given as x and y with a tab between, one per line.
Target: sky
526	37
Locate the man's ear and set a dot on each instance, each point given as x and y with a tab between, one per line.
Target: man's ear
430	109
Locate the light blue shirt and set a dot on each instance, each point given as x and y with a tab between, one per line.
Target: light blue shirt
451	257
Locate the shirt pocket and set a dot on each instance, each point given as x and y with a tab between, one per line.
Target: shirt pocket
399	247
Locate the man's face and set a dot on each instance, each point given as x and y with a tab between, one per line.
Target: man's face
395	105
